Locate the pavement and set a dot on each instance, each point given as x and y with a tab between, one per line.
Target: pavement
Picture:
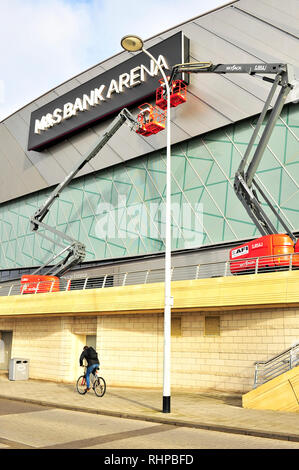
213	411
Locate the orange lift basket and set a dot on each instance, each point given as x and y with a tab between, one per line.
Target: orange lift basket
178	94
151	120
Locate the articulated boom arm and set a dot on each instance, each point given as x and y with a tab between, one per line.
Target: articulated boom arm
74	249
245	179
208	67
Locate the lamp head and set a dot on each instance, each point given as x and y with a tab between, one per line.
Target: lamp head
132	43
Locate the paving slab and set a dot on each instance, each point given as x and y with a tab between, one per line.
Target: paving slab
213	411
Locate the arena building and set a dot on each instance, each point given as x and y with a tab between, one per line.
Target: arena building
114	206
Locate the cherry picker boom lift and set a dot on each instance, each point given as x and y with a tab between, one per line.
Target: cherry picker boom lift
151	121
74	250
246	187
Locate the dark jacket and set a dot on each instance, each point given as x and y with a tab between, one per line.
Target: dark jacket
90	355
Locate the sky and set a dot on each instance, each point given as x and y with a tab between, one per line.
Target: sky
46	42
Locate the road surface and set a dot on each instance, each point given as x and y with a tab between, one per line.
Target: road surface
28	426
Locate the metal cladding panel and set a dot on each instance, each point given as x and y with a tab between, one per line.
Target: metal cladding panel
199	116
244	31
128	143
18	175
65	156
89	74
47	167
264	41
67	86
214	48
283	15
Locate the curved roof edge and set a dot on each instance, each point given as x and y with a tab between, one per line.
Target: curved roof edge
115	55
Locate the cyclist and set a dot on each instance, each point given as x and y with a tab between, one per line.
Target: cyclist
91	356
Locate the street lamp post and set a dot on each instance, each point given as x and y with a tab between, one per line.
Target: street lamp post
133	44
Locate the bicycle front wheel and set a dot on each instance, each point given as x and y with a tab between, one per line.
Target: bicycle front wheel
81	385
99	387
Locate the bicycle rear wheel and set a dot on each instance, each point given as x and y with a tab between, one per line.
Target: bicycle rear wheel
99	387
81	385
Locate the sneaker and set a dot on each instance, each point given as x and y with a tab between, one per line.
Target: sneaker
87	389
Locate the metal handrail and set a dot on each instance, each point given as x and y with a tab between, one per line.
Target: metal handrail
187	272
277	356
275	366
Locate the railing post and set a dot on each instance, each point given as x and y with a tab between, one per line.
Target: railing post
85	283
225	268
146	276
197	271
104	282
68	284
23	288
124	279
291	262
37	286
52	285
10	289
256	265
255	376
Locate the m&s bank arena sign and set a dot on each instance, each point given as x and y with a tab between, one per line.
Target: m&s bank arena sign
127	84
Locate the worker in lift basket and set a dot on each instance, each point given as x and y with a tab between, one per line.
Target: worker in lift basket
93	363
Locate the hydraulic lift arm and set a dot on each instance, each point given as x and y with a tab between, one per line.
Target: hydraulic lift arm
74	249
244	180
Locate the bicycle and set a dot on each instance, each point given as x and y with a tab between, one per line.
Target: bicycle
98	383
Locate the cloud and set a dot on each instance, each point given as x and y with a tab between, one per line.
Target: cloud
43	44
116	18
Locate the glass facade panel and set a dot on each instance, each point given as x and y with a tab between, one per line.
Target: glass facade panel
120	211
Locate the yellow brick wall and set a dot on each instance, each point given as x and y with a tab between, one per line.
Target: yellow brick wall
131	347
85	325
44	342
47	343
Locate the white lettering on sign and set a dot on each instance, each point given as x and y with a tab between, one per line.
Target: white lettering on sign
234	68
98	94
244	250
57	116
260	68
68	111
257	245
124	81
113	88
133	78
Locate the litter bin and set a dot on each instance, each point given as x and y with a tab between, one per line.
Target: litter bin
18	369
